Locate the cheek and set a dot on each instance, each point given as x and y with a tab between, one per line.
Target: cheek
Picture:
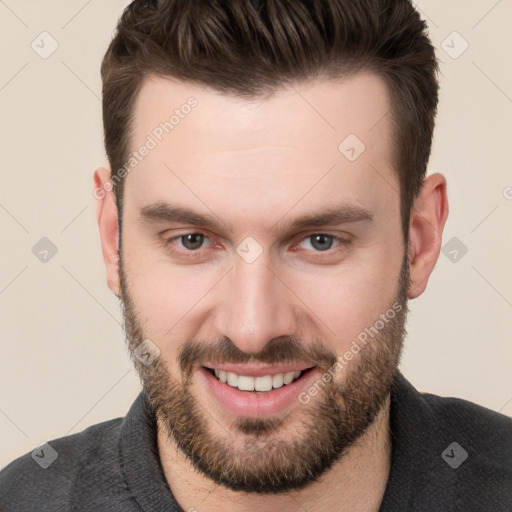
167	298
177	302
350	299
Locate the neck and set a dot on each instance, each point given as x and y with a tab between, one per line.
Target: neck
355	483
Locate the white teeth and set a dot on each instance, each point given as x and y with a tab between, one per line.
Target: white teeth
288	377
261	384
245	383
278	380
232	379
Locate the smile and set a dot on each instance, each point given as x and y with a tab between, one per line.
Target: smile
267	391
261	384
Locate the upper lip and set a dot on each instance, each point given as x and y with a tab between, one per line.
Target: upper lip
259	370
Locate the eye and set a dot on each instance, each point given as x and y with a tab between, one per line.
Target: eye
321	242
187	242
192	241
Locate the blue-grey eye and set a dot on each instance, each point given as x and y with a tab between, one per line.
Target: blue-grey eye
321	242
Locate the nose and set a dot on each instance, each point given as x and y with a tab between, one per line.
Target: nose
256	306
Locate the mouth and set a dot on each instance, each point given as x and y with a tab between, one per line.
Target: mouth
256	392
257	384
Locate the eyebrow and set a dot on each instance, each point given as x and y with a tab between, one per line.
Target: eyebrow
342	214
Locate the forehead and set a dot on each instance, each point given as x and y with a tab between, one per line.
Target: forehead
328	109
330	135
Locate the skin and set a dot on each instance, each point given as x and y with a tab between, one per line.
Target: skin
256	165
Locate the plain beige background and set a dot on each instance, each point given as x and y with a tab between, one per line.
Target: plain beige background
63	362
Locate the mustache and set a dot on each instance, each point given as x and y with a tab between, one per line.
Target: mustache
283	349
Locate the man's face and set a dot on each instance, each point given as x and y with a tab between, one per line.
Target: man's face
263	288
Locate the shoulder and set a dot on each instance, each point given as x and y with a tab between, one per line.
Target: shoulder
435	415
475	447
50	472
483	427
453	453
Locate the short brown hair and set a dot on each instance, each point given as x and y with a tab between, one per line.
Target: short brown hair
249	48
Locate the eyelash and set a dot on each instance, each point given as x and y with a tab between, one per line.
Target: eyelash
343	242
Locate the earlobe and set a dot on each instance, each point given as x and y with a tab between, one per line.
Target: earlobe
428	218
107	219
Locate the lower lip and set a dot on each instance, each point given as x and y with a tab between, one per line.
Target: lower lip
251	403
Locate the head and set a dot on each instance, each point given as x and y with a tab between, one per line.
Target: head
279	214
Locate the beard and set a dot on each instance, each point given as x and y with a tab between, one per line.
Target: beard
260	455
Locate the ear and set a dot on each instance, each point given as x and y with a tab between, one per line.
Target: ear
428	217
106	216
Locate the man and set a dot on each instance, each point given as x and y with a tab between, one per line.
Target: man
266	220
